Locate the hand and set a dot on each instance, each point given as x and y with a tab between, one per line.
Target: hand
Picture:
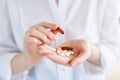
81	51
37	39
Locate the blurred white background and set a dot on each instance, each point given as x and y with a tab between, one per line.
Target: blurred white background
118	5
114	73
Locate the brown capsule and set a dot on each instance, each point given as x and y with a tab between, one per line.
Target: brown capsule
60	30
67	48
54	31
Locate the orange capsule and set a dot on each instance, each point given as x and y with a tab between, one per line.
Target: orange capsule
54	31
67	48
60	30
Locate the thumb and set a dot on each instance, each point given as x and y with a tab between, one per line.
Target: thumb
75	62
78	60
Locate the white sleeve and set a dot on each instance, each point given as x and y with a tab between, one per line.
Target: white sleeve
109	43
8	47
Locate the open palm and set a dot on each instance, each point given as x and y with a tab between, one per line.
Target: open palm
81	53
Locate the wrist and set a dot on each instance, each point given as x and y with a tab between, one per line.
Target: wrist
20	63
28	59
94	55
33	58
90	51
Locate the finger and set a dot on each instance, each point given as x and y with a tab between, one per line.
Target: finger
66	44
48	25
75	62
33	40
59	59
48	33
46	47
79	59
50	48
56	58
43	50
36	34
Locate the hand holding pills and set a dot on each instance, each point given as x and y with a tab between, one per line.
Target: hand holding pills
38	38
71	53
37	44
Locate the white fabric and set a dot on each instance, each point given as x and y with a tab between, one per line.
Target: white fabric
93	20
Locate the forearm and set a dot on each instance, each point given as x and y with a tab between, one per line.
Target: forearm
95	55
21	63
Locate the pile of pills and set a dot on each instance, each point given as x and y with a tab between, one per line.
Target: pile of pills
65	51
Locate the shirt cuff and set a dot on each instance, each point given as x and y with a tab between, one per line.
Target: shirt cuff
5	66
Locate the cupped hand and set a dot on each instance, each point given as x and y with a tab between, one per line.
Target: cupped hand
81	51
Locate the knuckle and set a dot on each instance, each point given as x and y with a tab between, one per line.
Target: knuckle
40	28
34	40
44	37
32	31
47	32
43	22
33	27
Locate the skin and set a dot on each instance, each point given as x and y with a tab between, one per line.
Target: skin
37	45
57	2
83	51
37	42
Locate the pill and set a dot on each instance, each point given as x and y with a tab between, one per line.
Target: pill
55	31
65	52
67	48
60	30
